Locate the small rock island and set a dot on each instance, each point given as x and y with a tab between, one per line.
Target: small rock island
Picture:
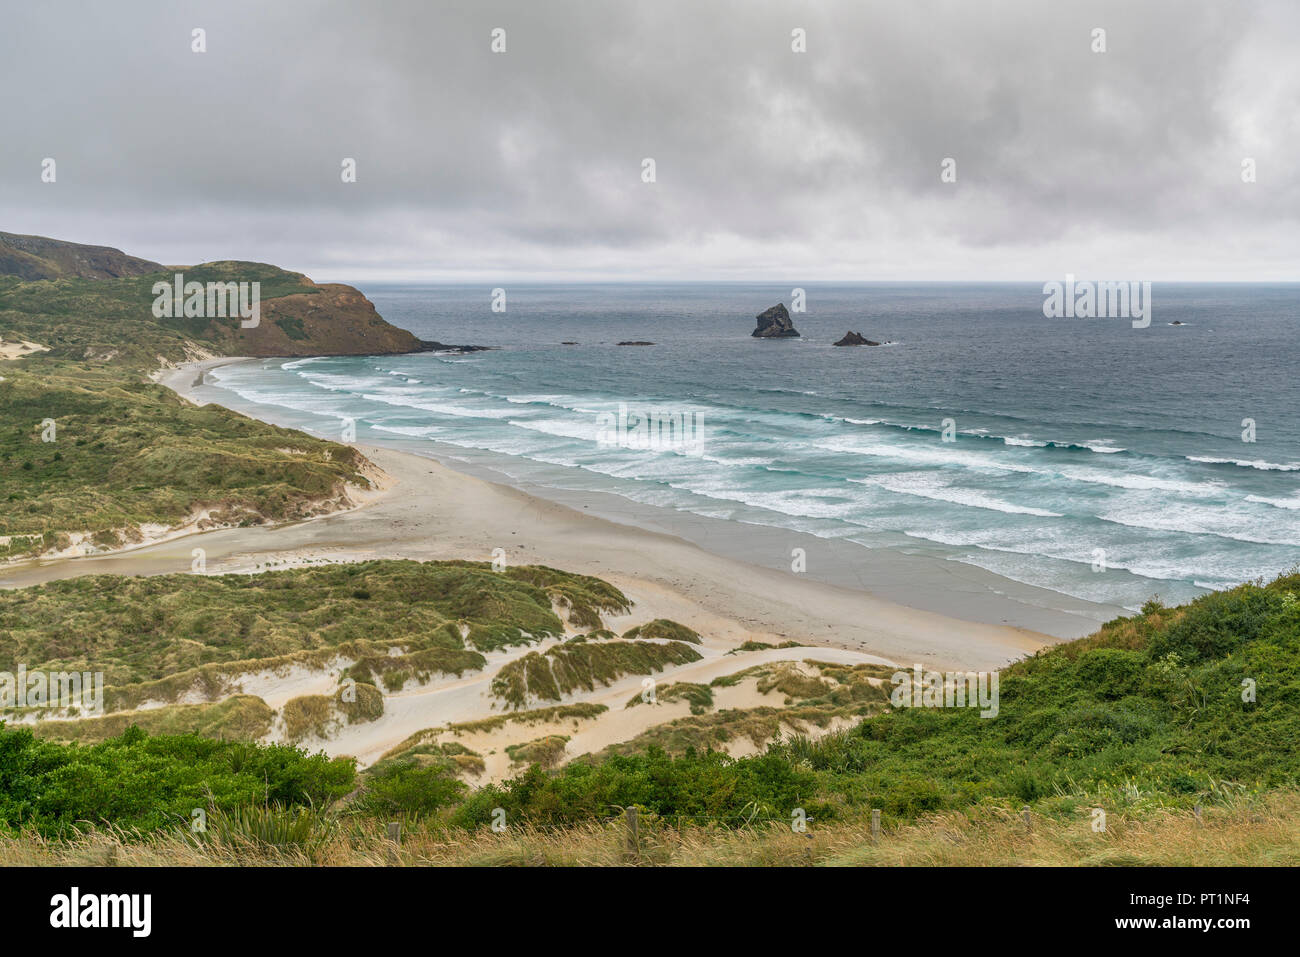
775	323
852	338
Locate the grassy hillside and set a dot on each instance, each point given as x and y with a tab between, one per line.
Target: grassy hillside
1169	708
111	320
128	452
95	303
36	257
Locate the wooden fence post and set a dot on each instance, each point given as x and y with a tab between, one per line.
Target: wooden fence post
633	833
875	825
395	838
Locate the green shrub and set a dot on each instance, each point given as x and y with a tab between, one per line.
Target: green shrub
144	782
406	787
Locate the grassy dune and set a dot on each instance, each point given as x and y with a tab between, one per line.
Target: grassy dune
550	675
126	452
160	637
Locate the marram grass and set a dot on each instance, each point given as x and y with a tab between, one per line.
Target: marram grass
1263	833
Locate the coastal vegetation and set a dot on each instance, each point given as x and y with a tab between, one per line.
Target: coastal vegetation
544	752
153	783
96	451
550	675
162	637
664	630
94	456
698	696
577	712
1154	716
111	319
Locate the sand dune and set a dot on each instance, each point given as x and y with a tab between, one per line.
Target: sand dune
16	350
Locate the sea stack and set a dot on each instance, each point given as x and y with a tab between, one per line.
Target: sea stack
854	339
774	323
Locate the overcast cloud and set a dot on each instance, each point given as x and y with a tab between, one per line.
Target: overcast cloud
770	164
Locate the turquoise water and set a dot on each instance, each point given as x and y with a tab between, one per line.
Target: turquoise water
1070	435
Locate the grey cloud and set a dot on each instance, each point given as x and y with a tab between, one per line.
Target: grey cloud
823	165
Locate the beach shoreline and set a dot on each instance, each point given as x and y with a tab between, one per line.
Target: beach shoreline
434	512
912	576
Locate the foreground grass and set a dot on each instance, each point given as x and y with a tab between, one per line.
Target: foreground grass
1265	832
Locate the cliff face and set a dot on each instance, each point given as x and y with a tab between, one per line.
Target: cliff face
36	257
333	320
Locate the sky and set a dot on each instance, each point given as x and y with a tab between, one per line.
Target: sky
528	164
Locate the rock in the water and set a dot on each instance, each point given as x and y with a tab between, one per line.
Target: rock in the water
430	346
635	342
774	323
854	339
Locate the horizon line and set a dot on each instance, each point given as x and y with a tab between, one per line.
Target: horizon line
536	280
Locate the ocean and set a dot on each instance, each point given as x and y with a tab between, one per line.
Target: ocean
1082	456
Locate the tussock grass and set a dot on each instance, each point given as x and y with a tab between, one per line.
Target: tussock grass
544	752
549	675
759	726
449	755
763	646
393	671
308	716
700	696
581	596
366	704
828	684
576	712
252	833
664	630
244	717
1264	833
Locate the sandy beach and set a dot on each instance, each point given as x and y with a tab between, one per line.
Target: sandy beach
19	350
432	512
